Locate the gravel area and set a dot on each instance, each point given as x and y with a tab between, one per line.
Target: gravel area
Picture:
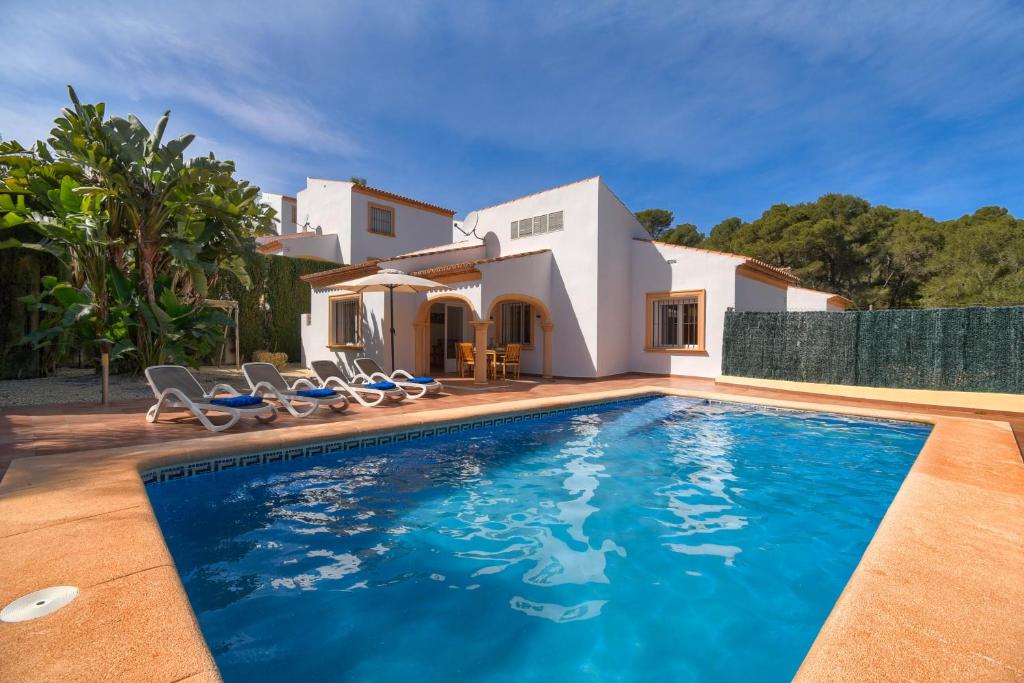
83	386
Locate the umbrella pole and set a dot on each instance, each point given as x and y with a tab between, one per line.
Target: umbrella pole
391	320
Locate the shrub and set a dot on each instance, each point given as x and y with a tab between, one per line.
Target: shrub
278	360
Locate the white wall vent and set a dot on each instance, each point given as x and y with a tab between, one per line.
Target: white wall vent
538	225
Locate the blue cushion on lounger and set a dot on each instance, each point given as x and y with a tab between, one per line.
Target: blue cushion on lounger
381	386
317	393
237	401
422	380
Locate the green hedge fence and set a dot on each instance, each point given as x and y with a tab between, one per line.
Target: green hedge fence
269	312
956	349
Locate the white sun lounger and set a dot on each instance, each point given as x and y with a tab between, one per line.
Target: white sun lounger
265	380
367	393
416	387
176	387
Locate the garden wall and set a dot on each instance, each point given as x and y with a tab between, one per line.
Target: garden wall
954	349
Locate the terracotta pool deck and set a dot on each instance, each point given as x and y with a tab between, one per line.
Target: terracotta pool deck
937	596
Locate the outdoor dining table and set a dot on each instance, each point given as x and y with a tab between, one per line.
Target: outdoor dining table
492	360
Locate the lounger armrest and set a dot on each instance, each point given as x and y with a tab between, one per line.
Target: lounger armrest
303	382
226	388
333	380
175	393
401	373
266	389
360	378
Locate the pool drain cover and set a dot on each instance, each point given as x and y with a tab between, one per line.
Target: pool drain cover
38	604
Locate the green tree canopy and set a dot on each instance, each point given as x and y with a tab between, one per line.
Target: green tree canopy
655	221
721	236
884	257
685	234
982	261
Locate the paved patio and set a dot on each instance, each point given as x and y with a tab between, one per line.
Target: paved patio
55	429
937	594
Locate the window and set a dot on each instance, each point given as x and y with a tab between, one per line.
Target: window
516	323
346	320
675	322
538	225
382	220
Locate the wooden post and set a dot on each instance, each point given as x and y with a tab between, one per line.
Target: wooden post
238	357
105	372
547	327
480	341
422	334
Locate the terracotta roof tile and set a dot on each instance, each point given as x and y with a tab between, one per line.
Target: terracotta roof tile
470	266
333	276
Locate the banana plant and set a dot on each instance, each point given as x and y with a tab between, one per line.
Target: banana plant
124	209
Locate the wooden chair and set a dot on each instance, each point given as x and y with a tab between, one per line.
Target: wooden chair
512	353
466	358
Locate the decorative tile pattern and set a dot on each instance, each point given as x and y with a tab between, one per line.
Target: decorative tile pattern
191	469
173	472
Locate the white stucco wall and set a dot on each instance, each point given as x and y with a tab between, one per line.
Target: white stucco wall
573	291
664	268
326	204
803	299
321	247
284	223
414	229
617	229
754	295
529	276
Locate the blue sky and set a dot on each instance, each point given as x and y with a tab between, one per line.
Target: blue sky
710	109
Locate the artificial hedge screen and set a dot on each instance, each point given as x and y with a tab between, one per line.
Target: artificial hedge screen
956	349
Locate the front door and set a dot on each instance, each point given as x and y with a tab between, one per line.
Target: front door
453	330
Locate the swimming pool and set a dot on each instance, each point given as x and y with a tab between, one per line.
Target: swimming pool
663	539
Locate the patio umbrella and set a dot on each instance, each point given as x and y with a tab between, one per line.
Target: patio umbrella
391	280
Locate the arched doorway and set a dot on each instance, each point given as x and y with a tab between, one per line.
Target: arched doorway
502	312
422	326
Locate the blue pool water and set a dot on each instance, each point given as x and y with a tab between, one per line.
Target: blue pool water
664	540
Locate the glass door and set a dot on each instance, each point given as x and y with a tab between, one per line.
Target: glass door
453	328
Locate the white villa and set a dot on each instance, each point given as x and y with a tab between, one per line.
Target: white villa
568	272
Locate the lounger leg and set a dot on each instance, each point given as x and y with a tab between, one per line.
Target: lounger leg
293	409
422	391
358	395
272	416
235	416
340	406
154	412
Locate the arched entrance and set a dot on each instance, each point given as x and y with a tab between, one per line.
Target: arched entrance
538	310
422	327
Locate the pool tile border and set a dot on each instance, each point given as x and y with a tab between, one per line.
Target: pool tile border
221	464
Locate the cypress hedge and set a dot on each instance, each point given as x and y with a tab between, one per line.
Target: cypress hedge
269	313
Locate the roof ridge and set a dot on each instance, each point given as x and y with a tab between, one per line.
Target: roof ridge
414	254
533	194
786	272
471	265
386	194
